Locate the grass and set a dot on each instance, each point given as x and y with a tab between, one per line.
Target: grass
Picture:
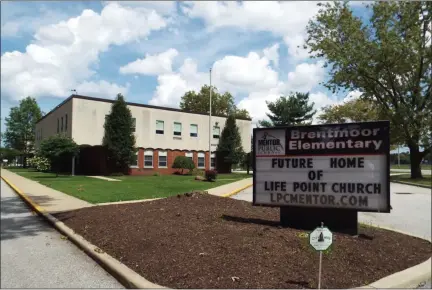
130	188
426	180
407	166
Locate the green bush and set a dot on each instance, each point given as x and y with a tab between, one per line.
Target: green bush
197	172
183	162
39	163
210	175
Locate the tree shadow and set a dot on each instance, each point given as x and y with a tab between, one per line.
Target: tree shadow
18	219
257	221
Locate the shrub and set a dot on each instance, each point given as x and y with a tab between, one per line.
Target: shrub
39	163
210	175
57	149
183	162
156	174
197	172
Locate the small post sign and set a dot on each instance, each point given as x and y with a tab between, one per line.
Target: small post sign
332	170
320	239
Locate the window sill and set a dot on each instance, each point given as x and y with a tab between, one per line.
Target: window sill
162	167
148	167
133	166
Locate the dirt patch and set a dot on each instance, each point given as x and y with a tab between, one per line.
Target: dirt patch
204	241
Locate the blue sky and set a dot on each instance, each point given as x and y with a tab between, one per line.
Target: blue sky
153	52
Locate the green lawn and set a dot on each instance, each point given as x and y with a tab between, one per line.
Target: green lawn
129	188
407	166
427	180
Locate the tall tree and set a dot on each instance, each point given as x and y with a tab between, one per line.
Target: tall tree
222	104
230	142
292	110
119	135
58	149
20	126
388	58
359	110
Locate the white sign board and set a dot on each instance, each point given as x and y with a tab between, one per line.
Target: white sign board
321	239
326	166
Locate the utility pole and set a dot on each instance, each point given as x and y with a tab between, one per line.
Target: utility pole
210	123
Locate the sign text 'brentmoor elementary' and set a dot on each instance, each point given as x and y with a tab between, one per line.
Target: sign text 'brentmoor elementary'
329	166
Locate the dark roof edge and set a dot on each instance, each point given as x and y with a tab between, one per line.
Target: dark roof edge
129	104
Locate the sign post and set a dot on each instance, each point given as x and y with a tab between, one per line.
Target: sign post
323	172
320	239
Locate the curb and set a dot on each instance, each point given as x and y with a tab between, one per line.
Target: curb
126	276
412	184
236	191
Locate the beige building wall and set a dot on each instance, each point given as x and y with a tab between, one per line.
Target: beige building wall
89	117
48	125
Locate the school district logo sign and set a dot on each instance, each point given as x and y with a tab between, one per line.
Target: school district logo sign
271	142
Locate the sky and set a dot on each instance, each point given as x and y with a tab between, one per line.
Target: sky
153	52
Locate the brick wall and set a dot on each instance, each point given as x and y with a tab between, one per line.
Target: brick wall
171	155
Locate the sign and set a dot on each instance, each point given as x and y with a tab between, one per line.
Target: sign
323	166
321	239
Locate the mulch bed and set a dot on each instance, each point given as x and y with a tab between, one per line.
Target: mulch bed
204	241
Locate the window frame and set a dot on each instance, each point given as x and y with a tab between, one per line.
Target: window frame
191	157
66	122
61	127
137	161
212	161
162	153
160	132
213	133
58	125
146	154
194	135
174	131
201	155
133	125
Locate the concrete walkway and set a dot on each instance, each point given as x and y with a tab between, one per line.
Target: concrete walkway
34	255
51	200
230	187
104	178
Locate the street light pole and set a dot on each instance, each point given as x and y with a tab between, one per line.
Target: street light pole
210	123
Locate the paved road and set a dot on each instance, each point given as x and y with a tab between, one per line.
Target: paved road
411	210
424	172
33	255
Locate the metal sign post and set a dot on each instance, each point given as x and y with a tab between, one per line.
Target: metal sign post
320	239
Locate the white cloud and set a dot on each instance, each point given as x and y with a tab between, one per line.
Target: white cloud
231	73
152	64
161	7
272	54
62	54
102	89
283	19
305	76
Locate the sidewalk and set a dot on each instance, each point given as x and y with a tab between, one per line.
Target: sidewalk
231	188
51	200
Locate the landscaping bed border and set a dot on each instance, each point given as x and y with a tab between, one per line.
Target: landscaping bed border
408	278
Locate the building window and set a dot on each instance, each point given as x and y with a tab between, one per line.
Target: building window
177	129
216	132
193	130
133	124
162	162
66	122
58	125
134	160
61	128
189	155
159	127
148	159
40	134
201	160
213	160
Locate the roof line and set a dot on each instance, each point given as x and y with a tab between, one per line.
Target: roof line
129	104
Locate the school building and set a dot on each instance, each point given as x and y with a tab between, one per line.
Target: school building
161	133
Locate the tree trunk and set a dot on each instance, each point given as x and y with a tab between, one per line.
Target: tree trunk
415	159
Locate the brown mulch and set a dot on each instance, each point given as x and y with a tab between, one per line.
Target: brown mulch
204	241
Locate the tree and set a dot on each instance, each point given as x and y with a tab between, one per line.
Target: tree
292	110
247	161
58	149
359	110
9	154
230	142
183	162
119	135
20	126
222	104
387	58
